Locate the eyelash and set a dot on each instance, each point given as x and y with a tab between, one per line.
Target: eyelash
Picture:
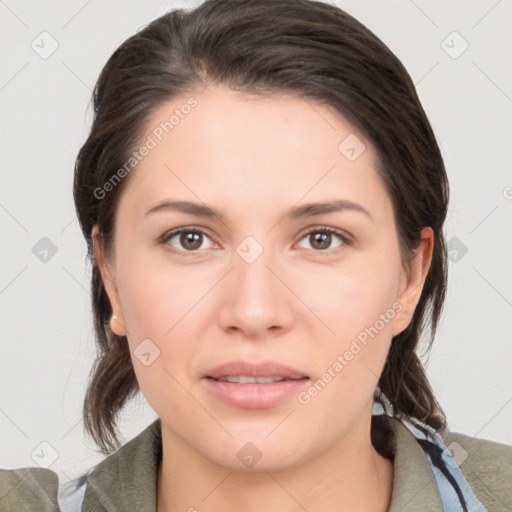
346	240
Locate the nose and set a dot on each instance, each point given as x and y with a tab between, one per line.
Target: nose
255	299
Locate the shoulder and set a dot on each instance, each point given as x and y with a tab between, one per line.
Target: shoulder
127	479
486	465
27	489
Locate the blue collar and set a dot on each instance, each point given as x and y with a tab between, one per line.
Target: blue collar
455	492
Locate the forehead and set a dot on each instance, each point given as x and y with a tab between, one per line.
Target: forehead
231	147
236	119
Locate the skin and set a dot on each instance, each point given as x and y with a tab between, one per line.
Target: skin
253	158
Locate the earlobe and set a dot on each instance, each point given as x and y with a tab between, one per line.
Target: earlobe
413	280
117	324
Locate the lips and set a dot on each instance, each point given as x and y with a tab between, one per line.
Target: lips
254	385
242	371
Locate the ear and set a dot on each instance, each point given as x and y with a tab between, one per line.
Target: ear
413	279
117	324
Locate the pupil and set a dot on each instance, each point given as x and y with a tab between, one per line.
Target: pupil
191	240
324	240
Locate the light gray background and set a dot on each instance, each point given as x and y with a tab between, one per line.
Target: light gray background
46	339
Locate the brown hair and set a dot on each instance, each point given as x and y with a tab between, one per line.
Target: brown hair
308	48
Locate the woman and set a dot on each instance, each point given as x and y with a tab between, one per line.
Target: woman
263	200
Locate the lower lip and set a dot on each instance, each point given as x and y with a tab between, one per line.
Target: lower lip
255	396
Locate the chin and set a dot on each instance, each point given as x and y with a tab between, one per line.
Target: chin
257	453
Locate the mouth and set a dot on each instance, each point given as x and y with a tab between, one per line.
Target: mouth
254	386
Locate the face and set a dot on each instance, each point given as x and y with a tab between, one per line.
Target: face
246	270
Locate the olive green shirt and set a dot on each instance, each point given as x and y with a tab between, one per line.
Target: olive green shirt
126	480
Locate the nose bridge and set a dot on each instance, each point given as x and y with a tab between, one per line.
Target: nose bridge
255	283
257	300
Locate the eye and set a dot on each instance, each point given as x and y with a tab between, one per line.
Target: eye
322	238
190	240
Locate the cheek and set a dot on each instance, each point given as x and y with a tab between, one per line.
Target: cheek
163	307
158	315
353	298
156	294
357	309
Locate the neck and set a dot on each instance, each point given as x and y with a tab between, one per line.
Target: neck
350	476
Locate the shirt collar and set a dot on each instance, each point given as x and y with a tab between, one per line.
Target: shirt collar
414	484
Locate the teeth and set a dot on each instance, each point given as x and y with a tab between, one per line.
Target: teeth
243	379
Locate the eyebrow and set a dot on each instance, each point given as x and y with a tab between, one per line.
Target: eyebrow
306	210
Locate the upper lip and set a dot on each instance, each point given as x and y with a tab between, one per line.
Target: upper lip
262	369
